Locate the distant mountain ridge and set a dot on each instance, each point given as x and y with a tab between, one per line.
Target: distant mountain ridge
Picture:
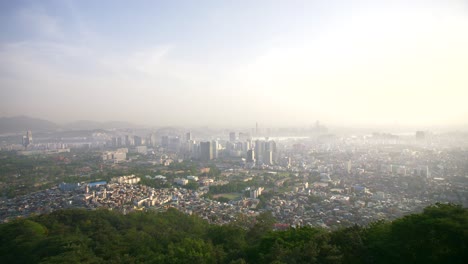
23	123
90	125
19	124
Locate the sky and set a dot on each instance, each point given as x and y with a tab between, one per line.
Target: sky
234	63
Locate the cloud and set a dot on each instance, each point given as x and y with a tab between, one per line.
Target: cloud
365	67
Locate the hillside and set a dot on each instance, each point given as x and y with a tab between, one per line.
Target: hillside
20	124
91	125
438	235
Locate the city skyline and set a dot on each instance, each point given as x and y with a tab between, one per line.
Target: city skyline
232	64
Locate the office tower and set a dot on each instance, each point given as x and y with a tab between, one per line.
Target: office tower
152	140
259	150
256	129
268	157
349	167
29	137
271	146
174	144
189	148
195	149
214	146
232	136
119	141
206	151
27	140
138	141
250	155
188	136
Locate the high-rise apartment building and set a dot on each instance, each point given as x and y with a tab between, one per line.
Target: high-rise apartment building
268	157
152	140
206	151
259	150
214	146
174	144
250	155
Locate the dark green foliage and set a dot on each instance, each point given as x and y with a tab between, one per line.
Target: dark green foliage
184	166
349	242
234	186
302	245
438	235
192	185
21	175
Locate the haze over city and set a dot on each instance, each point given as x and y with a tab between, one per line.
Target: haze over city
246	131
220	63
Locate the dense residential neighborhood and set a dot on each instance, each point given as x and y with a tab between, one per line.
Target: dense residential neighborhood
322	181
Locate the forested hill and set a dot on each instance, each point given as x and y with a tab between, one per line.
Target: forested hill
438	235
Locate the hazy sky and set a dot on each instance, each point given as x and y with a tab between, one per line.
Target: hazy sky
236	62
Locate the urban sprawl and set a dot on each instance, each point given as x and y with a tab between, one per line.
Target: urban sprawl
320	179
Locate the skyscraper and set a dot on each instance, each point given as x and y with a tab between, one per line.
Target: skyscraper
268	157
214	146
206	151
188	136
27	140
259	150
152	140
174	144
250	155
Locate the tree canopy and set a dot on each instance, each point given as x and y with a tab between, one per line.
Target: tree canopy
437	235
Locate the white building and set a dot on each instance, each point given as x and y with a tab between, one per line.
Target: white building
130	179
180	181
193	178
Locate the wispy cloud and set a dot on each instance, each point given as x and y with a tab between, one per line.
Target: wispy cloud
364	66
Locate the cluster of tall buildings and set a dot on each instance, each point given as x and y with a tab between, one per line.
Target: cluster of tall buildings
260	152
133	141
265	152
28	139
237	145
116	156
